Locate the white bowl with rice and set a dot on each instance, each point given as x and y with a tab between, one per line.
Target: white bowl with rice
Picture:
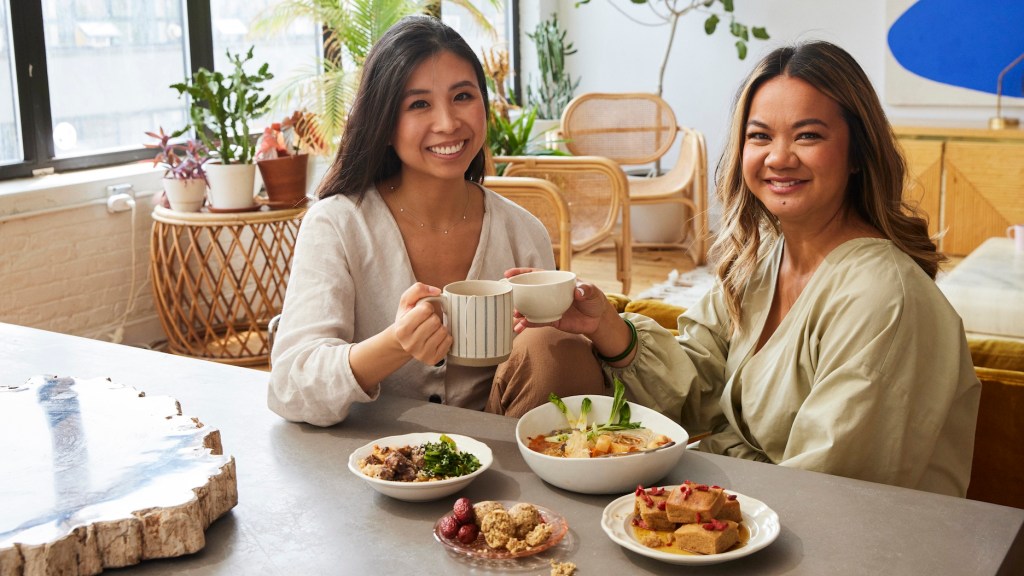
421	491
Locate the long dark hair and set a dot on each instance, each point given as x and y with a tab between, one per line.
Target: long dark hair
364	157
875	191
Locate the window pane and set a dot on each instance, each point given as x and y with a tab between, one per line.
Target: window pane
10	125
290	53
110	65
479	39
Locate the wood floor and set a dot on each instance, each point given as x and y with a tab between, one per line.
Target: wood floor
649	267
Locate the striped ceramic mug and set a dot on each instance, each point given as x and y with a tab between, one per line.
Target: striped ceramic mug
478	314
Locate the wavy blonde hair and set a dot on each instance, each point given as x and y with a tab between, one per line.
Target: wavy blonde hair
875	190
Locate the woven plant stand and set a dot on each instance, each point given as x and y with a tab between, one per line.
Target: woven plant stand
218	279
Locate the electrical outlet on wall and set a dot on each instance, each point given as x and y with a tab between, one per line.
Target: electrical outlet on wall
115	189
120	198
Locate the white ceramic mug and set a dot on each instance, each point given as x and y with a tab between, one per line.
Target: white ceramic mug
1016	232
543	296
478	314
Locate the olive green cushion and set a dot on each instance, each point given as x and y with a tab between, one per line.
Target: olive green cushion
664	314
619	301
996	353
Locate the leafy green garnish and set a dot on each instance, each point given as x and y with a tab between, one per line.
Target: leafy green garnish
617	420
443	460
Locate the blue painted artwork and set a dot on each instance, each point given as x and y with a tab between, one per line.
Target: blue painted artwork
965	44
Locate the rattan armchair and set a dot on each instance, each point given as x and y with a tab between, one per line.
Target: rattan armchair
638	129
595	190
545	201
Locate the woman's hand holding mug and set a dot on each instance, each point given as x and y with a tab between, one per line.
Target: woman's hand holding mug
584	312
418	328
478	315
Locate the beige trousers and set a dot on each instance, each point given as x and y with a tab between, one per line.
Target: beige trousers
544	360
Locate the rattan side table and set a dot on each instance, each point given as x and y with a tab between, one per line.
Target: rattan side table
218	279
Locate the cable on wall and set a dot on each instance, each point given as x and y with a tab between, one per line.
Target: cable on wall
120	202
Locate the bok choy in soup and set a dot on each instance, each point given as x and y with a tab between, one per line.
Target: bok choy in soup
579	439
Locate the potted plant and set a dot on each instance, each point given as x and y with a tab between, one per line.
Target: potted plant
510	129
184	175
282	156
554	90
222	108
511	136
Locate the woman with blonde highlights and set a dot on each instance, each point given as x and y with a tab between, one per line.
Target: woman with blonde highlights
826	344
875	191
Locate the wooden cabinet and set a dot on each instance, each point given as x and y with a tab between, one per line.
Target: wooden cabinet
924	162
970	181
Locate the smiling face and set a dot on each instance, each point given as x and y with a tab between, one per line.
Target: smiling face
796	152
441	119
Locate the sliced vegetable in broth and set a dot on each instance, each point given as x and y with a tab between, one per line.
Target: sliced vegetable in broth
616	436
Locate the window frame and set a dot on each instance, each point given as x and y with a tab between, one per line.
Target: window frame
33	96
34	111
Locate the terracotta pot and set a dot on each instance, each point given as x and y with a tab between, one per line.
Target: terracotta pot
232	186
185	195
285	180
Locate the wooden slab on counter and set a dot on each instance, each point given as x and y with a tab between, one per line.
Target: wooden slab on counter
98	475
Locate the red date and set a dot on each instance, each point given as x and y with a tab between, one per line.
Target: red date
468	533
449	527
463	509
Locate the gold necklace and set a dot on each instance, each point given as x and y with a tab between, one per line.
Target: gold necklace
410	214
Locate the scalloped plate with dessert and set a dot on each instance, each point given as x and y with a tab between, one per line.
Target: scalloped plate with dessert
477	547
760	527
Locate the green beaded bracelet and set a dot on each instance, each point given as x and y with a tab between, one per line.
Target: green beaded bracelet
629	349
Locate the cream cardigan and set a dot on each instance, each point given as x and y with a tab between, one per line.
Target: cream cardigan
348	272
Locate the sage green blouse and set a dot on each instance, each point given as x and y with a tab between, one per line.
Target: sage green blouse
868	376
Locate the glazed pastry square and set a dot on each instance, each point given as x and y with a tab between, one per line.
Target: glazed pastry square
707	538
689	503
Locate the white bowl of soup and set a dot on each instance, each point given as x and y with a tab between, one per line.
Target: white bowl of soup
631	460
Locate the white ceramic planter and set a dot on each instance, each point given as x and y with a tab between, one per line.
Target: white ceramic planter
185	195
232	186
315	171
657	223
545	134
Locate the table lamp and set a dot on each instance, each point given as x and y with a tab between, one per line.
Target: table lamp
998	122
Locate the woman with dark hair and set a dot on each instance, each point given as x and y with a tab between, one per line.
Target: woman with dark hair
825	344
402	212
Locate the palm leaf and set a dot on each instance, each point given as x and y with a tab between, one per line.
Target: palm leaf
478	17
351	27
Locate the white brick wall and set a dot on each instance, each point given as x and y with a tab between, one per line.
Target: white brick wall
70	271
65	262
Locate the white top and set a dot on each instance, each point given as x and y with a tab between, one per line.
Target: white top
349	270
868	376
